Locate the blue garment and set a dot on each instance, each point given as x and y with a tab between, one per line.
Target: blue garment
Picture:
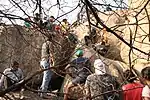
46	75
79	60
82	66
81	63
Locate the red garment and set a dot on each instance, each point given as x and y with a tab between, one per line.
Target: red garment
132	91
57	27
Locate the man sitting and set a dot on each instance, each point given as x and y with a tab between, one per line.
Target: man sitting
11	75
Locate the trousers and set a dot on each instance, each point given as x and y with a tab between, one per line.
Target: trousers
47	75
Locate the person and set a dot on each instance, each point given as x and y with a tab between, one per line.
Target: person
64	26
11	75
72	37
82	66
146	77
133	89
27	23
57	28
45	22
45	63
87	40
93	35
50	23
100	82
37	19
108	8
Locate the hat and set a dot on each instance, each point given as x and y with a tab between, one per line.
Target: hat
79	52
99	67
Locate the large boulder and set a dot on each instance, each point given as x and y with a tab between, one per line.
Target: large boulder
24	45
121	23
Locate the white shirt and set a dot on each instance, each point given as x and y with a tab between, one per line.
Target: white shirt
146	92
99	67
14	75
45	49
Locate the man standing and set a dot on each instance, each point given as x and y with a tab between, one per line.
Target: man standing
45	64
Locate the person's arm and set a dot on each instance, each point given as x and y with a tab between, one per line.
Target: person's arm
51	59
2	78
87	89
146	98
1	81
21	73
146	93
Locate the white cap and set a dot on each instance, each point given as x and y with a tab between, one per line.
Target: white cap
99	67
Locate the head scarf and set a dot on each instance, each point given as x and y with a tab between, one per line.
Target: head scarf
99	67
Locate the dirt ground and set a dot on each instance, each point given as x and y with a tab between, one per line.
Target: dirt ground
28	95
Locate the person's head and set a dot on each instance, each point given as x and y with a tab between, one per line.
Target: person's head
79	53
100	67
65	20
146	73
51	19
37	14
129	76
15	65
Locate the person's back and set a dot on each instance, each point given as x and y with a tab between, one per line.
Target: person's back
45	53
80	60
15	75
132	90
99	84
82	66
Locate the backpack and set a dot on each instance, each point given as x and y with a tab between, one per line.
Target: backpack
109	83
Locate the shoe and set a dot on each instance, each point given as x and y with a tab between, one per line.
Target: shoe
22	98
44	96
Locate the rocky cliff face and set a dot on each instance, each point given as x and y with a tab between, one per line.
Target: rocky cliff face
20	44
24	45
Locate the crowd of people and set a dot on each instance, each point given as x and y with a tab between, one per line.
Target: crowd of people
48	23
98	84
